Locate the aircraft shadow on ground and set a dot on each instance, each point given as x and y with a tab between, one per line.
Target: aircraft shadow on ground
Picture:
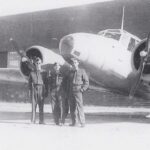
91	118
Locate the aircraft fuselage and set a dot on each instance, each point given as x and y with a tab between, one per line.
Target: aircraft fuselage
106	59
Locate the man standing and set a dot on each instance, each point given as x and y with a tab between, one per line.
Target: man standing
57	86
78	83
37	81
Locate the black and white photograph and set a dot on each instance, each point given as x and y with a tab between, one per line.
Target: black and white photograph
74	74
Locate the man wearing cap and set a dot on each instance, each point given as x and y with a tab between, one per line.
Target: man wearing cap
37	83
78	82
57	86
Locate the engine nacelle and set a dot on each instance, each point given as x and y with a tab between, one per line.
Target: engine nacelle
136	58
47	56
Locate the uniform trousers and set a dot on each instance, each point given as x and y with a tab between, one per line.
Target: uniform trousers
76	108
59	106
37	98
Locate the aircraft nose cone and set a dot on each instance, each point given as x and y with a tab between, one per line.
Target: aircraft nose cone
66	46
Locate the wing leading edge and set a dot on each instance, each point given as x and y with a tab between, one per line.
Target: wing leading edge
11	76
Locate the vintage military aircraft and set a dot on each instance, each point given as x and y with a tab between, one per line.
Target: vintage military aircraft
110	57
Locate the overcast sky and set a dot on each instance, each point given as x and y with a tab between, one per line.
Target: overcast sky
9	7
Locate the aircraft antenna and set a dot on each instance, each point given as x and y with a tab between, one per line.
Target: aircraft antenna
122	22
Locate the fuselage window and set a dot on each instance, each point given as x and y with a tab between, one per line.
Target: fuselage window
114	36
132	44
77	53
101	33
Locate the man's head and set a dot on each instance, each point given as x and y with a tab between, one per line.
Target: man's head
74	63
56	66
38	63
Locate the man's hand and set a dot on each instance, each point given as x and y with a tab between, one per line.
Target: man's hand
143	53
24	59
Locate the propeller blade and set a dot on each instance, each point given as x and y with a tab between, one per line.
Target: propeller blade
22	53
141	69
16	48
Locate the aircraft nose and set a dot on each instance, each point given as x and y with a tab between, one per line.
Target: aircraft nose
66	46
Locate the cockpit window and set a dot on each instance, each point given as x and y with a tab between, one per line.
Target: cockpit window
127	40
77	53
101	33
132	44
112	35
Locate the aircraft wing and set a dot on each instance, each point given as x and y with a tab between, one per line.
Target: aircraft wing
11	76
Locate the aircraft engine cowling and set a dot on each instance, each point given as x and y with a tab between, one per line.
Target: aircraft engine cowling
47	56
136	57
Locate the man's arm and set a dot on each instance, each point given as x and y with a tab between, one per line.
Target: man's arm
30	82
29	63
45	81
49	80
85	79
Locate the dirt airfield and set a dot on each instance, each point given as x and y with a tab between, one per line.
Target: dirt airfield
107	128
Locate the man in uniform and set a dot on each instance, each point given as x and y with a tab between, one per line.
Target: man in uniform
57	86
78	82
37	82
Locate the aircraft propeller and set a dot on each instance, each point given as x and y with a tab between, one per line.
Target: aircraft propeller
143	62
16	47
22	53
